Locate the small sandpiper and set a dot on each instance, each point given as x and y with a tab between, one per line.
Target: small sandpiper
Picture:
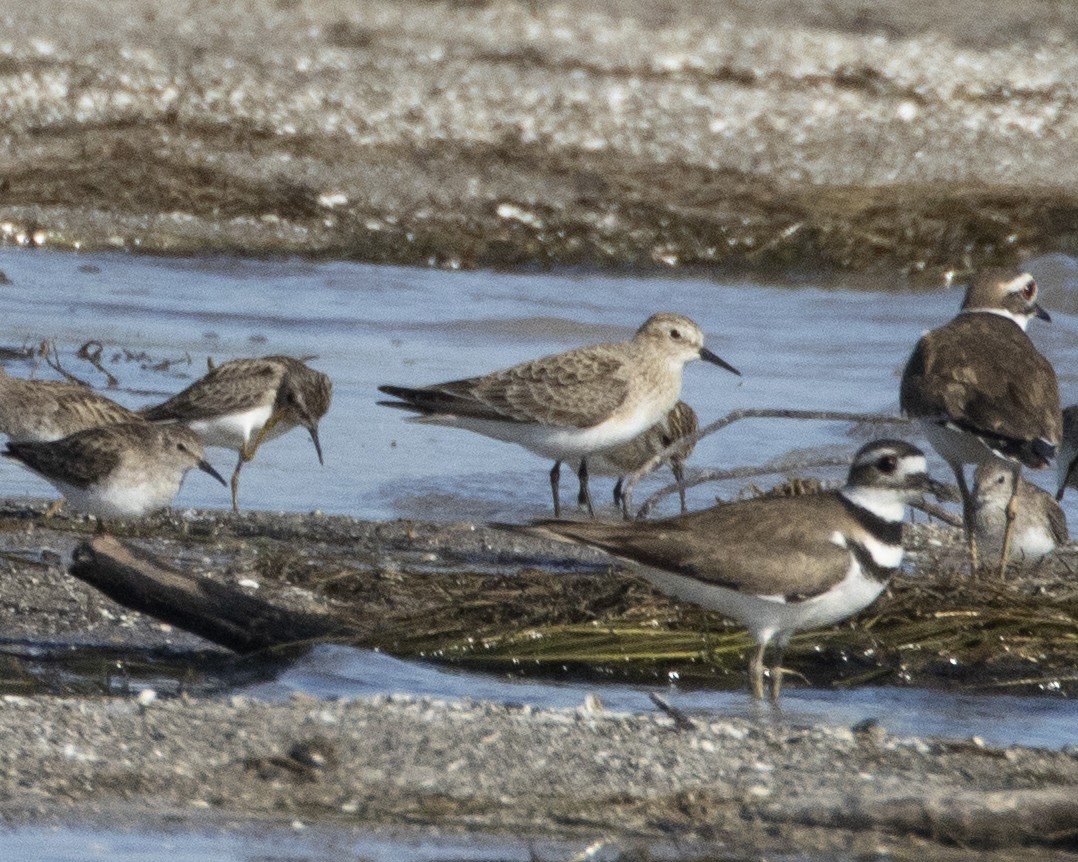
778	565
242	403
1067	463
37	411
620	461
982	392
119	471
569	405
1039	524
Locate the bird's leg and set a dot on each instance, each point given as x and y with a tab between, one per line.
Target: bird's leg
617	491
582	475
236	482
249	449
54	508
776	674
756	672
679	476
967	516
1012	513
555	479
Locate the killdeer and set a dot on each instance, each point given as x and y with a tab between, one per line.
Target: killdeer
569	405
1067	465
982	392
1039	524
242	403
119	471
778	564
620	461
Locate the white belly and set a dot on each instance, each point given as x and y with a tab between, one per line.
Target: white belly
958	447
234	430
767	617
561	443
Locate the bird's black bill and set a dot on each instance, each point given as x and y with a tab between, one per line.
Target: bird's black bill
941	490
1041	313
206	467
317	446
708	356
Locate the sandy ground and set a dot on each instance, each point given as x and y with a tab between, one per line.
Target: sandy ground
189	758
779	137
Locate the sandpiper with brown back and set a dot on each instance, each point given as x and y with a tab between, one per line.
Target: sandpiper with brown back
118	471
569	405
242	403
1039	523
982	392
778	565
41	410
38	411
678	424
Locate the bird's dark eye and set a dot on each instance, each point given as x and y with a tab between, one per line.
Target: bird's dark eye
1029	290
887	464
675	334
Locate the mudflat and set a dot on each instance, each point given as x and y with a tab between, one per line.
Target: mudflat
883	140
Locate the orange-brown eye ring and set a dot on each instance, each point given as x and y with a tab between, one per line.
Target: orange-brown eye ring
1029	290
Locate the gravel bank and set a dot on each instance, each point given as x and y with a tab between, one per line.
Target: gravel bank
776	137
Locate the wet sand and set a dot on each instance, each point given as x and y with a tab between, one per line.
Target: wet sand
776	137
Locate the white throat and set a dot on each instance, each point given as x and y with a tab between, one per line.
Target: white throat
1022	320
882	503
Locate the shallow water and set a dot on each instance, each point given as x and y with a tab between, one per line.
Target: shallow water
336	671
806	348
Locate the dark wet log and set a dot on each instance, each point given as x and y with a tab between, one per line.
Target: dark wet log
217	612
1004	818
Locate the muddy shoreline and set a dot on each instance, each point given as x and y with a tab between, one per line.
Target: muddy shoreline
883	144
734	785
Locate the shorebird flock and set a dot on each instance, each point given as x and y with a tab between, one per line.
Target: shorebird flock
980	392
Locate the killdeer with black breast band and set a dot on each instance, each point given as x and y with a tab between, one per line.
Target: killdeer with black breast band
778	565
981	391
569	405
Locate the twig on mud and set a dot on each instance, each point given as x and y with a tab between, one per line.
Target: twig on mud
91	352
737	415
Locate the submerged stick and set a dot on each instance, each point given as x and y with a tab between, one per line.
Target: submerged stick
737	415
217	612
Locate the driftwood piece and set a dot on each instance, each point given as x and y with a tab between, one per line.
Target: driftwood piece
998	819
212	610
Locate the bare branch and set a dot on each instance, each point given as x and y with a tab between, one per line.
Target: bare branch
748	413
91	351
735	473
52	359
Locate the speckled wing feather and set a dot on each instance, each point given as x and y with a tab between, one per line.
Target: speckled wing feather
1057	522
764	547
579	388
241	384
79	460
1012	395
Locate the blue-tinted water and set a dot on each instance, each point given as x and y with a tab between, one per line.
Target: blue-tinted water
807	348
